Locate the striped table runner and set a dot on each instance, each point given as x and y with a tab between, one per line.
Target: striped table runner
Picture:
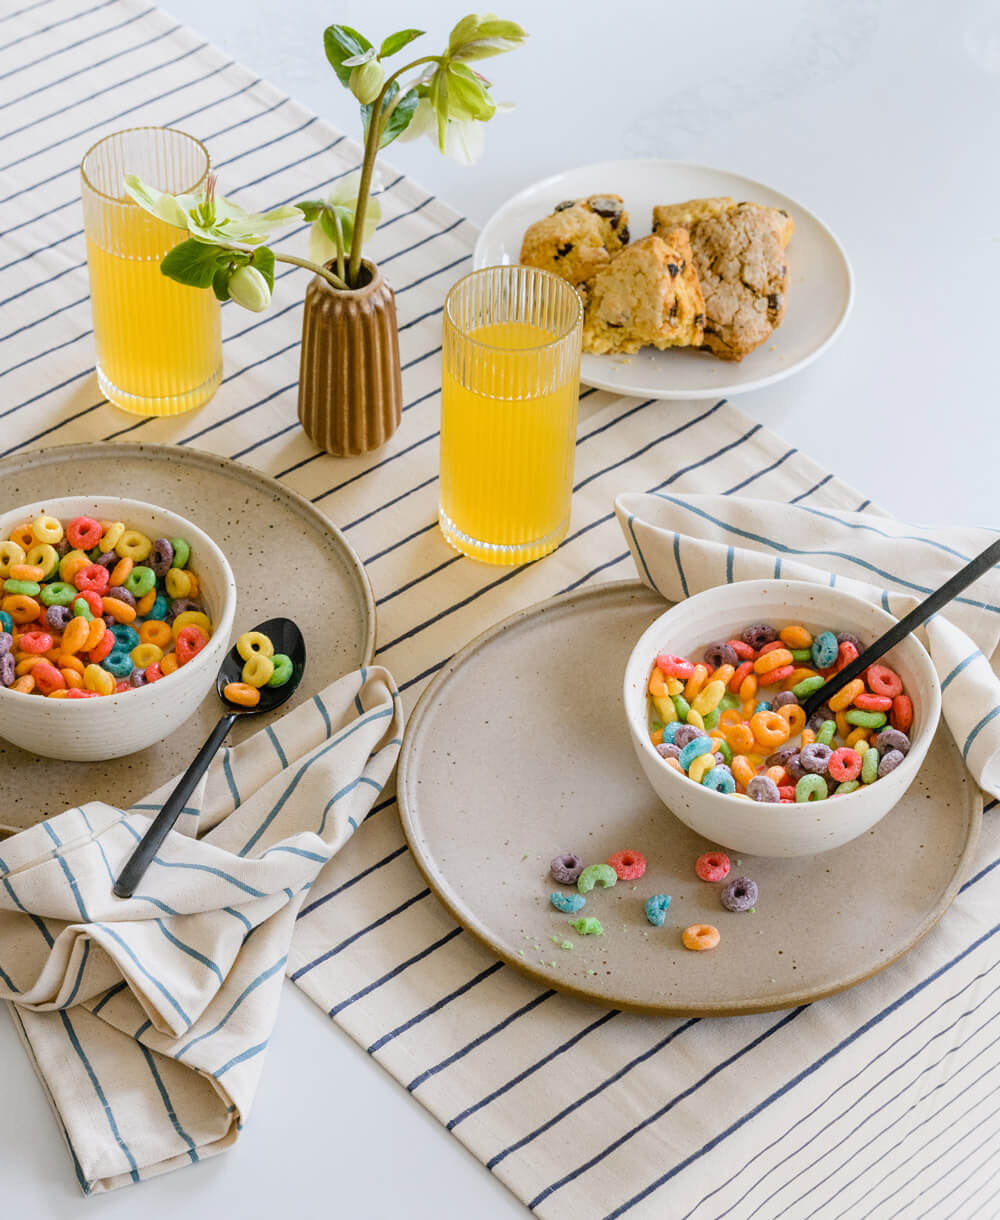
880	1102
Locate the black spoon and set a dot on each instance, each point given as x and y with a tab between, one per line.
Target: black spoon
287	639
919	614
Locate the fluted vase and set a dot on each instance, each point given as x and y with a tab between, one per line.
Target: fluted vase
350	389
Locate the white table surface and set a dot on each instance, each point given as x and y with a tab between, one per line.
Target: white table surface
885	120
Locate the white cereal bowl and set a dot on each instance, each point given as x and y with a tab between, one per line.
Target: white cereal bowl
91	730
758	828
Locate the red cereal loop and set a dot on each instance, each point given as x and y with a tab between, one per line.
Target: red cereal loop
771	647
93	601
846	653
872	703
712	866
84	533
743	650
776	675
629	865
102	648
901	716
34	641
92	579
122	685
82	694
741	672
884	681
153	672
47	677
843	764
675	667
786	793
190	641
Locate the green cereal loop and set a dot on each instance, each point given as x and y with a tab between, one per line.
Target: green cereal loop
849	785
29	587
826	732
594	874
59	593
82	610
869	766
682	706
182	552
282	669
712	719
587	926
728	702
801	655
866	720
726	750
807	686
810	787
140	581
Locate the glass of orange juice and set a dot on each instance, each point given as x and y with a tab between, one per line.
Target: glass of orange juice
159	343
509	392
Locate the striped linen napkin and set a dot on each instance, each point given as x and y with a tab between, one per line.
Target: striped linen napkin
146	1019
683	544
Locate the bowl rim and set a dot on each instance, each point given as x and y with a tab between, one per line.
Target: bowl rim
227	614
919	744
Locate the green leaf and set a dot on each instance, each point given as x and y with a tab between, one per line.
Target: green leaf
220	283
396	42
341	42
194	263
329	226
468	96
310	208
438	97
399	120
263	260
481	37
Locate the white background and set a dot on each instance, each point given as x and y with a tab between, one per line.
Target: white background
880	115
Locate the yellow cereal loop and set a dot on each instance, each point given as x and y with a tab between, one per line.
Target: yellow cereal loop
701	767
71	563
178	583
11	554
145	654
45	556
664	708
97	679
112	536
169	663
674	686
153	631
254	643
134	545
694	717
710	695
258	670
47	529
192	618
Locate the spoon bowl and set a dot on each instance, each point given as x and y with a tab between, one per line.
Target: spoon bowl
286	638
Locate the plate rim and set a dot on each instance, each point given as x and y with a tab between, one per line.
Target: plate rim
404	783
728	391
145	449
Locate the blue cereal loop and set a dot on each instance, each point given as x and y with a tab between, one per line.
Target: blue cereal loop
694	749
118	662
824	650
126	637
656	909
719	779
569	904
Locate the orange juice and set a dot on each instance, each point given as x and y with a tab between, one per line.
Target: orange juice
508	433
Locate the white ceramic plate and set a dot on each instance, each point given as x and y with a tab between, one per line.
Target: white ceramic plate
820	292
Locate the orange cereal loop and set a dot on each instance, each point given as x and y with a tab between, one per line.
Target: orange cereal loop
66	660
673	762
72	677
25	685
858	737
21	608
75	636
808	737
843	728
195	583
656	737
58	694
70	564
795	636
169	663
155	632
121	612
698	678
26	571
657	683
748	688
27	663
774	659
845	696
722	674
145	604
777	774
794	716
700	936
742	769
748	708
797	675
95	634
729	717
241	693
739	737
120	572
24	536
770	729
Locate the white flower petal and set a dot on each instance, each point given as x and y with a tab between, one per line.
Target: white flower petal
465	141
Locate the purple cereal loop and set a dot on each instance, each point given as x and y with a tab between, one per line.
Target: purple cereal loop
6	643
758	634
781	756
848	637
566	868
740	894
180	605
108	560
57	617
109	620
815	757
120	595
785	698
161	557
720	653
667	749
8	669
890	761
892	739
685	734
794	767
819	718
763	788
63	546
137	677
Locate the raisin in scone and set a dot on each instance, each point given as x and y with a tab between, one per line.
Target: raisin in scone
578	239
648	295
740	257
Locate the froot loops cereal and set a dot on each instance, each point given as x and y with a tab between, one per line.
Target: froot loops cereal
87	608
700	936
262	666
734	722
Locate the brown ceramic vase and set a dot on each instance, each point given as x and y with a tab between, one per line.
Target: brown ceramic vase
350	389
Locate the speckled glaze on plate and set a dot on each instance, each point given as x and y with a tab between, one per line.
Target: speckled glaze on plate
518	751
288	559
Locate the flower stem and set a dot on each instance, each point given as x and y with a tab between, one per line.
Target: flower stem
340	244
335	280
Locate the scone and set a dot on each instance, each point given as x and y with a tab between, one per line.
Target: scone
742	268
578	239
671	215
648	294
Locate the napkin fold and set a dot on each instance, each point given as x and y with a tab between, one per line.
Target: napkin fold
683	544
147	1018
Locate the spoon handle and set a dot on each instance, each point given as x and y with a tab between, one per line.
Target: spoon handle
163	823
918	615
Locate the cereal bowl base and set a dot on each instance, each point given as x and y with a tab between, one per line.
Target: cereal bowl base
759	828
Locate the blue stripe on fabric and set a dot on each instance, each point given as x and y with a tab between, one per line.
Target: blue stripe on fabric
168	1105
394	972
217	872
530	1071
251	118
871	529
970	740
958	669
680	569
272	736
240	1058
142	969
638	550
71	879
52	834
665	1108
362	779
601	567
355	936
617	420
885	602
227	771
79	976
190	950
8	981
730	558
862	506
297	851
777	568
109	995
155	902
393	855
280	803
417	1018
357	698
760	473
816	486
678	474
292	131
71	46
31	8
423	242
500	1026
240	916
142	1029
248	990
321	708
96	1084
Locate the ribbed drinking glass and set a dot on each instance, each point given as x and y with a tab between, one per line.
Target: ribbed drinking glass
509	392
159	344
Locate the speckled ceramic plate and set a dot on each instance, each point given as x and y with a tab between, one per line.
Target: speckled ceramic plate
519	751
287	559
